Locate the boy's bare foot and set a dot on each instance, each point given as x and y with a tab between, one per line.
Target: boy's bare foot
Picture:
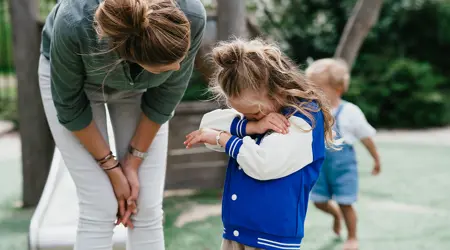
351	244
337	225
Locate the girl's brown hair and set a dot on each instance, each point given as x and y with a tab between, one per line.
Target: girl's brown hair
149	32
256	65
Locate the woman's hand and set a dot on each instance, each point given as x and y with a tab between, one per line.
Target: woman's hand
204	135
121	190
130	169
273	121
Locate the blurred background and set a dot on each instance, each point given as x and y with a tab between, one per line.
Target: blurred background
400	52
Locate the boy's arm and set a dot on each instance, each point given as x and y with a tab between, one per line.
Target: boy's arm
370	146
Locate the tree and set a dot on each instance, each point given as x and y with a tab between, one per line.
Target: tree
231	19
364	16
37	141
231	22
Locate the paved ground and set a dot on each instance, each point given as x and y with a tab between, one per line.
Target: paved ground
404	209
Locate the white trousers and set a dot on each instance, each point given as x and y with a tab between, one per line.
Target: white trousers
98	205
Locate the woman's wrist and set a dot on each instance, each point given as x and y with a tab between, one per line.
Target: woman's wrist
132	161
114	173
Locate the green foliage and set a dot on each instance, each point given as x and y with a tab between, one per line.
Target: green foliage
6	57
400	78
405	94
197	89
8	110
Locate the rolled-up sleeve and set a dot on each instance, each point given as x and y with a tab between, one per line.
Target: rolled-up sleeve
159	103
67	77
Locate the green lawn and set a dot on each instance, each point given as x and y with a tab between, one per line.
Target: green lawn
404	209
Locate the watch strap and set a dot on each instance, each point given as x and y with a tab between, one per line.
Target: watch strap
137	153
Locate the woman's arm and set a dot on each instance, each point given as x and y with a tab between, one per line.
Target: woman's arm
71	103
158	105
67	86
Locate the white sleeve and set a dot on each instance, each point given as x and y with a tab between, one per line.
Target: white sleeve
360	126
278	155
228	120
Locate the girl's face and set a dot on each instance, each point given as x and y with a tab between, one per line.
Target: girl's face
253	106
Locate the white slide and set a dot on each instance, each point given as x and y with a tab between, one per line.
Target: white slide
54	222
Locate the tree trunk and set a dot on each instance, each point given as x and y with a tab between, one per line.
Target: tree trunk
231	22
37	142
364	16
231	19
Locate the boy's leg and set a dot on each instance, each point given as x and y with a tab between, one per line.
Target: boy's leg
321	196
350	220
329	208
346	194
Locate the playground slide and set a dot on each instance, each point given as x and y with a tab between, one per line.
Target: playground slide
54	222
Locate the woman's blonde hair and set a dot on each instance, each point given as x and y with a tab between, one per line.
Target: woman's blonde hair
256	65
148	32
330	72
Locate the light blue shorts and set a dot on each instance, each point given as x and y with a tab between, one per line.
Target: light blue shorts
338	179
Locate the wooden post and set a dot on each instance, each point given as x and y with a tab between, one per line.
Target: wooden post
231	19
364	16
37	142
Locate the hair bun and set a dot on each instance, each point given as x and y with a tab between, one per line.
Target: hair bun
141	14
119	19
229	55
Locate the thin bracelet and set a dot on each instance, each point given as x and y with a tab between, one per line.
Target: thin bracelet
111	162
115	166
105	159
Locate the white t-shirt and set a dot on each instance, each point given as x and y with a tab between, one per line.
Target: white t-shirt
353	125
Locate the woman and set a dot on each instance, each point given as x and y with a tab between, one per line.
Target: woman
135	56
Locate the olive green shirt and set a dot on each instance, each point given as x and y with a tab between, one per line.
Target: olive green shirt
78	57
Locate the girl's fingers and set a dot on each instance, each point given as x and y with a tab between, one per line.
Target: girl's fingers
191	134
283	119
276	128
192	141
282	128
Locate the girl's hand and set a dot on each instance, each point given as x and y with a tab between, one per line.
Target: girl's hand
204	135
273	121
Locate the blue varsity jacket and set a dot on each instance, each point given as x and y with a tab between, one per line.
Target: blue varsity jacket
269	214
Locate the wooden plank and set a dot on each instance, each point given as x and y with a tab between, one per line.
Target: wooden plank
192	177
37	142
197	167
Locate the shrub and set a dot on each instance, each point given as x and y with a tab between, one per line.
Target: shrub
401	94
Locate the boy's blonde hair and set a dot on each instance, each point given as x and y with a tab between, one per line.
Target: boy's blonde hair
330	72
261	67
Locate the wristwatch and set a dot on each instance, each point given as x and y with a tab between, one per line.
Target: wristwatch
137	153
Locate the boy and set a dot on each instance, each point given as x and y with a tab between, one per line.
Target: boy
338	179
